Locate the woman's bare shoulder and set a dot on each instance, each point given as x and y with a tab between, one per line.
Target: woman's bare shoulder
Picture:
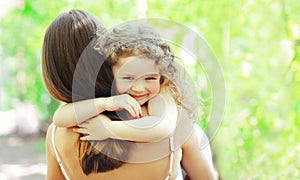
64	138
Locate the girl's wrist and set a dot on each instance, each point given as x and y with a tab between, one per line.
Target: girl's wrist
101	104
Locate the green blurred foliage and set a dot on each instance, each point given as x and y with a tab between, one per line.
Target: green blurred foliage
256	42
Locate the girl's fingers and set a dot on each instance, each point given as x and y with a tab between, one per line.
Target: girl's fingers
77	130
140	111
130	110
135	108
88	138
84	138
80	130
82	125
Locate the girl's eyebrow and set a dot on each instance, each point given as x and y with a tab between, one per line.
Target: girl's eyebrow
152	74
127	74
146	74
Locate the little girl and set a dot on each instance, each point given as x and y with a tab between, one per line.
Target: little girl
161	111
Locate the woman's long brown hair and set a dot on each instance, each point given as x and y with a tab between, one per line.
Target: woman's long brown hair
67	37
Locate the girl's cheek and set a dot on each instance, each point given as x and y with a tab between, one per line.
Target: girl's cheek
122	88
155	88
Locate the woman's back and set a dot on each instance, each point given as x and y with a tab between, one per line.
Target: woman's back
66	143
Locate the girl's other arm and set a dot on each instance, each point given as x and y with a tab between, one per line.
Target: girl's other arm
160	124
72	114
75	113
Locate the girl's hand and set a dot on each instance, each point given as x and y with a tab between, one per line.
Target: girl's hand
126	102
94	128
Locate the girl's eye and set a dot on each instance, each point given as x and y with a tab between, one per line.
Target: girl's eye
127	78
151	78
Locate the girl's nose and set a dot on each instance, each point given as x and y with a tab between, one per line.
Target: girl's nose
138	85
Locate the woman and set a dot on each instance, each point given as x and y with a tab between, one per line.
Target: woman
72	32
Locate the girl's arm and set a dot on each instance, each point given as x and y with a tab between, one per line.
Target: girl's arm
72	114
160	124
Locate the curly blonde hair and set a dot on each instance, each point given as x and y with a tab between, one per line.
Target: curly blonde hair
133	39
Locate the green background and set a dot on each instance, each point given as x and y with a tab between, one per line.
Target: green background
257	43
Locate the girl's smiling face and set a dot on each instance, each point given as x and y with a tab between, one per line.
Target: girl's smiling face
137	76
